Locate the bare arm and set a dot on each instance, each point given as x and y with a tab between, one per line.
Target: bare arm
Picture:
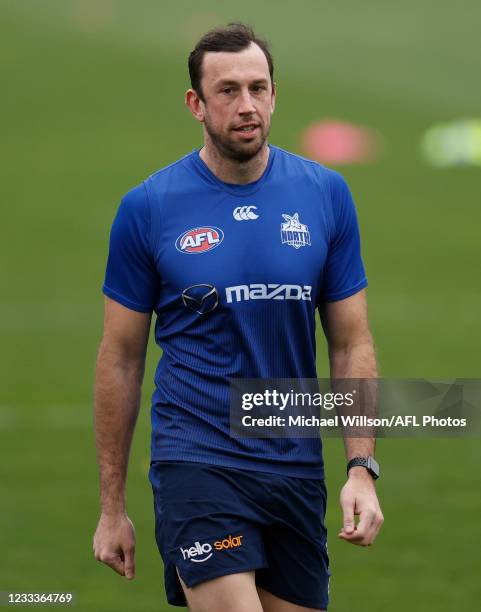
119	375
352	355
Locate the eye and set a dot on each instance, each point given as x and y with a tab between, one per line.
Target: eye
258	88
227	90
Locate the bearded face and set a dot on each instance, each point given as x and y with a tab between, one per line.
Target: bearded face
238	101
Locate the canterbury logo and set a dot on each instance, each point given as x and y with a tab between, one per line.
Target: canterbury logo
272	291
244	213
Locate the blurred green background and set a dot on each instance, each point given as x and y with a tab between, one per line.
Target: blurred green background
91	103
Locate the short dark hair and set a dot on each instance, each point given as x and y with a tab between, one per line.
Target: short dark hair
233	38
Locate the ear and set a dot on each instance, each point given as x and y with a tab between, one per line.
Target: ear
273	96
195	104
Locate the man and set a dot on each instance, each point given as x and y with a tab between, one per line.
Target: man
206	243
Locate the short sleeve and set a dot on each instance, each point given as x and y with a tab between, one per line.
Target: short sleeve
131	277
344	273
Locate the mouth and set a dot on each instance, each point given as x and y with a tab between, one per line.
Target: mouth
248	128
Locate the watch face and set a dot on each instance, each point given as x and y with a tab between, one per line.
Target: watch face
373	465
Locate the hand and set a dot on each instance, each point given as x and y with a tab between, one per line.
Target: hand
114	543
358	497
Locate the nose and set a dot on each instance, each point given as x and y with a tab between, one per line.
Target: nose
246	106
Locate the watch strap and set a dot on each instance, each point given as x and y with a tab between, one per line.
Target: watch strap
369	463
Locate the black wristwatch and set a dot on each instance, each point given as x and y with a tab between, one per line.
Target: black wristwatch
371	465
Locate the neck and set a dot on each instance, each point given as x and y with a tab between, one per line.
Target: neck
231	170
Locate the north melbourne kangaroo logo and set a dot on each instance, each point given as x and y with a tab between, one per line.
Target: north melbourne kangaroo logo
295	233
244	213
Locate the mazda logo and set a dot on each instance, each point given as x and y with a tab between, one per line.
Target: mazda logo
201	298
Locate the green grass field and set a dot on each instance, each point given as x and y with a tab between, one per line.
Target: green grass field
91	103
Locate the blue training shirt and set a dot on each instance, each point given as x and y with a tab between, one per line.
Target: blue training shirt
234	274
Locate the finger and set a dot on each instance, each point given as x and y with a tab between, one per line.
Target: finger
353	539
371	532
360	536
366	530
115	562
376	526
348	512
129	563
364	526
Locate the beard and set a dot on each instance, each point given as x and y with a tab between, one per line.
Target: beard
236	151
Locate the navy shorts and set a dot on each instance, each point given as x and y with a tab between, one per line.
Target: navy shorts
212	521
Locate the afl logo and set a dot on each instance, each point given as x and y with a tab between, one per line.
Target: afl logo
199	240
